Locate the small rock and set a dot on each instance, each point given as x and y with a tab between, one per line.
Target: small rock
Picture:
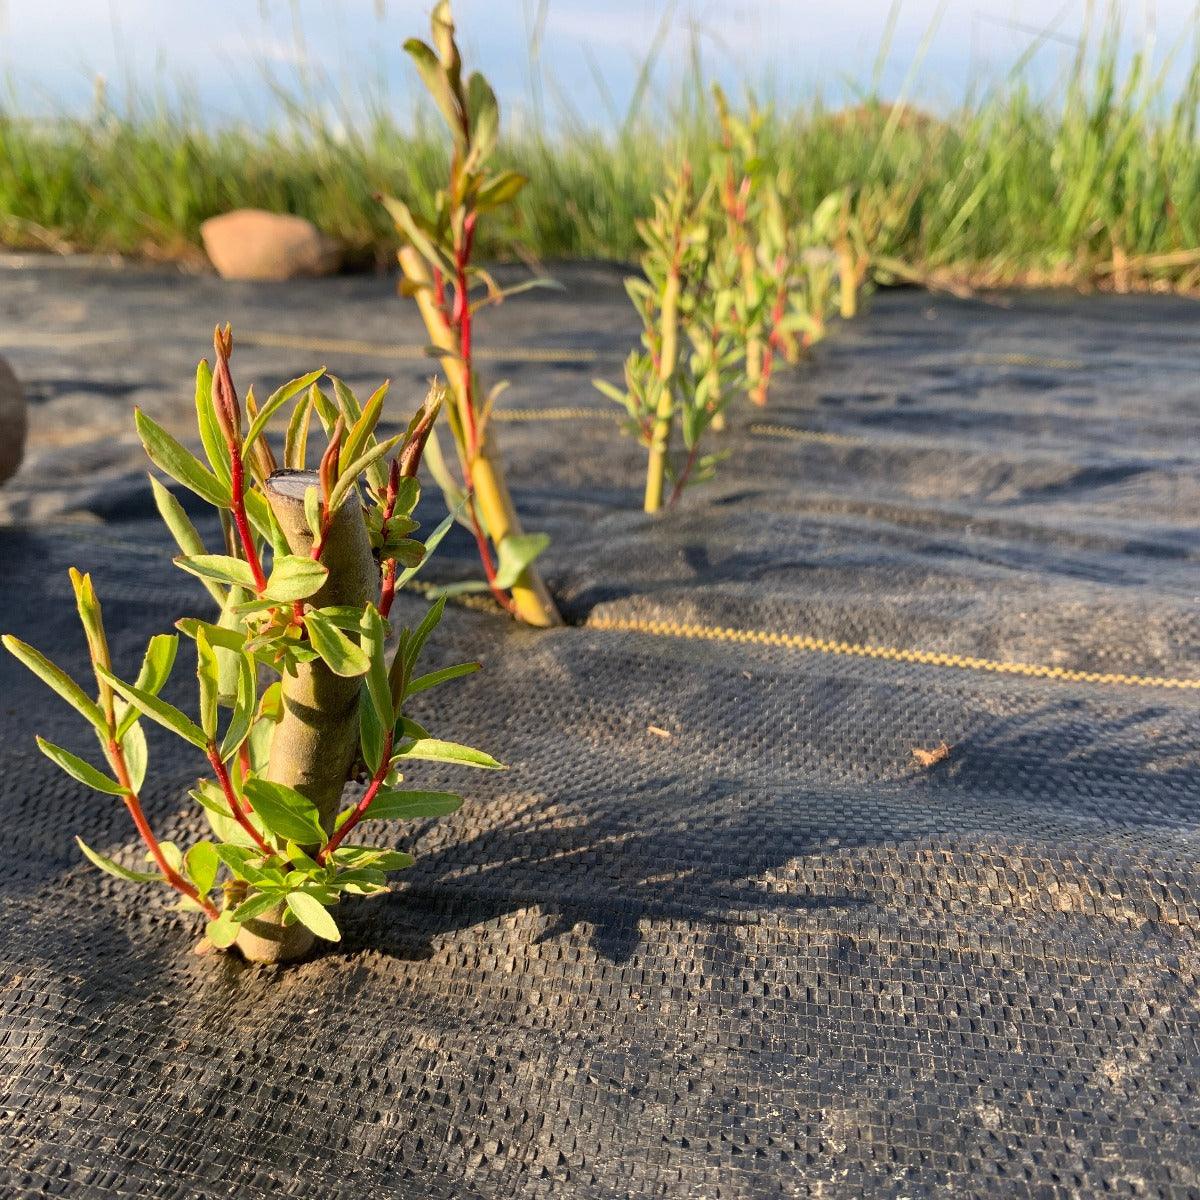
12	422
252	244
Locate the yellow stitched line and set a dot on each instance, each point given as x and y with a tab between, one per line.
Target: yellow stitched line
30	338
805	435
931	658
287	341
551	414
798	641
1026	360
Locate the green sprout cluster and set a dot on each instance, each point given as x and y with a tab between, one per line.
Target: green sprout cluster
731	284
450	289
273	854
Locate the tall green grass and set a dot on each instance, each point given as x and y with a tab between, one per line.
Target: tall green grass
1097	183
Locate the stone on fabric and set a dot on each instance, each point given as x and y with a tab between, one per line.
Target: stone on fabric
12	422
252	244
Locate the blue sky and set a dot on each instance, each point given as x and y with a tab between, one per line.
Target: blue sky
222	52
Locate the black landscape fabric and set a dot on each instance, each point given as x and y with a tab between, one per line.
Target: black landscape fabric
717	932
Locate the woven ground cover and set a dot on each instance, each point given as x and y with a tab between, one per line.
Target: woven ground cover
717	932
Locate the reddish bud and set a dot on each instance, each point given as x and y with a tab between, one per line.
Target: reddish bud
409	458
228	411
328	471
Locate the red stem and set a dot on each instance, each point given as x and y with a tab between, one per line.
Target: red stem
439	291
681	481
229	418
360	809
774	341
485	555
116	756
235	805
462	322
387	584
238	504
780	306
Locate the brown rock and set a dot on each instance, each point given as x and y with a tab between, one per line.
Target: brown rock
12	422
252	244
877	115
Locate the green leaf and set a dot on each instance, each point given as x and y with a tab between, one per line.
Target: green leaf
427	626
370	731
220	819
156	709
340	654
431	544
223	931
182	530
433	678
295	445
208	677
182	466
312	914
434	78
294	577
312	511
350	475
540	283
274	402
206	420
252	606
259	741
221	567
238	859
363	428
466	587
171	854
406	727
433	750
364	881
407	806
344	616
133	743
515	554
408	552
455	497
285	812
112	868
372	856
157	662
304	865
412	232
78	769
243	708
500	190
90	617
56	679
261	516
325	408
224	639
613	393
347	401
201	862
485	125
254	906
374	633
401	524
